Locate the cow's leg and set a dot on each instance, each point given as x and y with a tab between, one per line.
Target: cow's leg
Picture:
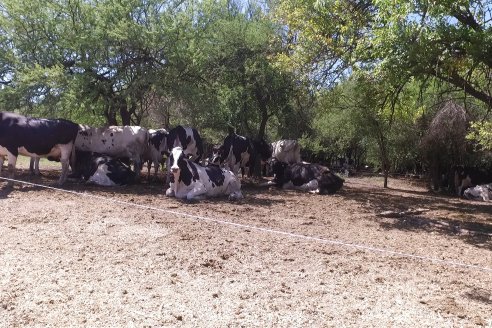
170	191
2	159
156	169
168	171
34	166
12	158
66	153
198	192
137	167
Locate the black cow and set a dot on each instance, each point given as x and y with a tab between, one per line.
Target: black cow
238	152
466	177
36	137
102	170
314	178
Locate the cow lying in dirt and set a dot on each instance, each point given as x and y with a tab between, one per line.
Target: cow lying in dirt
314	178
190	180
101	169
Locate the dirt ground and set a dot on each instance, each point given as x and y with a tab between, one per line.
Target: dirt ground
131	257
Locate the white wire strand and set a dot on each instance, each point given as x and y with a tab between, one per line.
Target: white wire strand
267	230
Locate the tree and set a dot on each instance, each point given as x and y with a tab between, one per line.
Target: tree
449	40
98	57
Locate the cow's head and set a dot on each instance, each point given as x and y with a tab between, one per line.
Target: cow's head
177	160
217	154
286	144
278	170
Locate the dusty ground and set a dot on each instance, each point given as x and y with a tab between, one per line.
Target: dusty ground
73	260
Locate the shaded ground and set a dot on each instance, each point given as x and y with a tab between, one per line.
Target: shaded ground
73	260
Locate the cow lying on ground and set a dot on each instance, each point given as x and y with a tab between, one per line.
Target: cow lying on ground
156	148
314	178
102	170
480	192
466	177
238	152
190	180
36	137
115	141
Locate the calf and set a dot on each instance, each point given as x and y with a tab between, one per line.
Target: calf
115	141
238	152
102	170
314	178
466	177
156	148
36	137
190	180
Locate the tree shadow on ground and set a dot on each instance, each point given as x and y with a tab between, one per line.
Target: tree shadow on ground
469	221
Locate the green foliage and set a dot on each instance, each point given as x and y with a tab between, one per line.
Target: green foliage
481	132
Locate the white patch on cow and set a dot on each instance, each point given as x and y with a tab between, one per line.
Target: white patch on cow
309	186
287	151
482	192
100	177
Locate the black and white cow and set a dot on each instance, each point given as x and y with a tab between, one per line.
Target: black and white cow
287	151
188	139
190	142
238	152
36	137
156	149
115	141
101	169
190	180
466	177
314	178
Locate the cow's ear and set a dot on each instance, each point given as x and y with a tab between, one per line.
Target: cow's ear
230	129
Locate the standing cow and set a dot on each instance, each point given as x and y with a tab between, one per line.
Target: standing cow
287	151
116	141
156	148
238	152
190	180
37	137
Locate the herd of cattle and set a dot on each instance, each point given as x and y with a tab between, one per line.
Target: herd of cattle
103	156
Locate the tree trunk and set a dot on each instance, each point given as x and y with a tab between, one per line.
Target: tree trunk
123	109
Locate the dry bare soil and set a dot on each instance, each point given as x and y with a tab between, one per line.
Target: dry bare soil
130	257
